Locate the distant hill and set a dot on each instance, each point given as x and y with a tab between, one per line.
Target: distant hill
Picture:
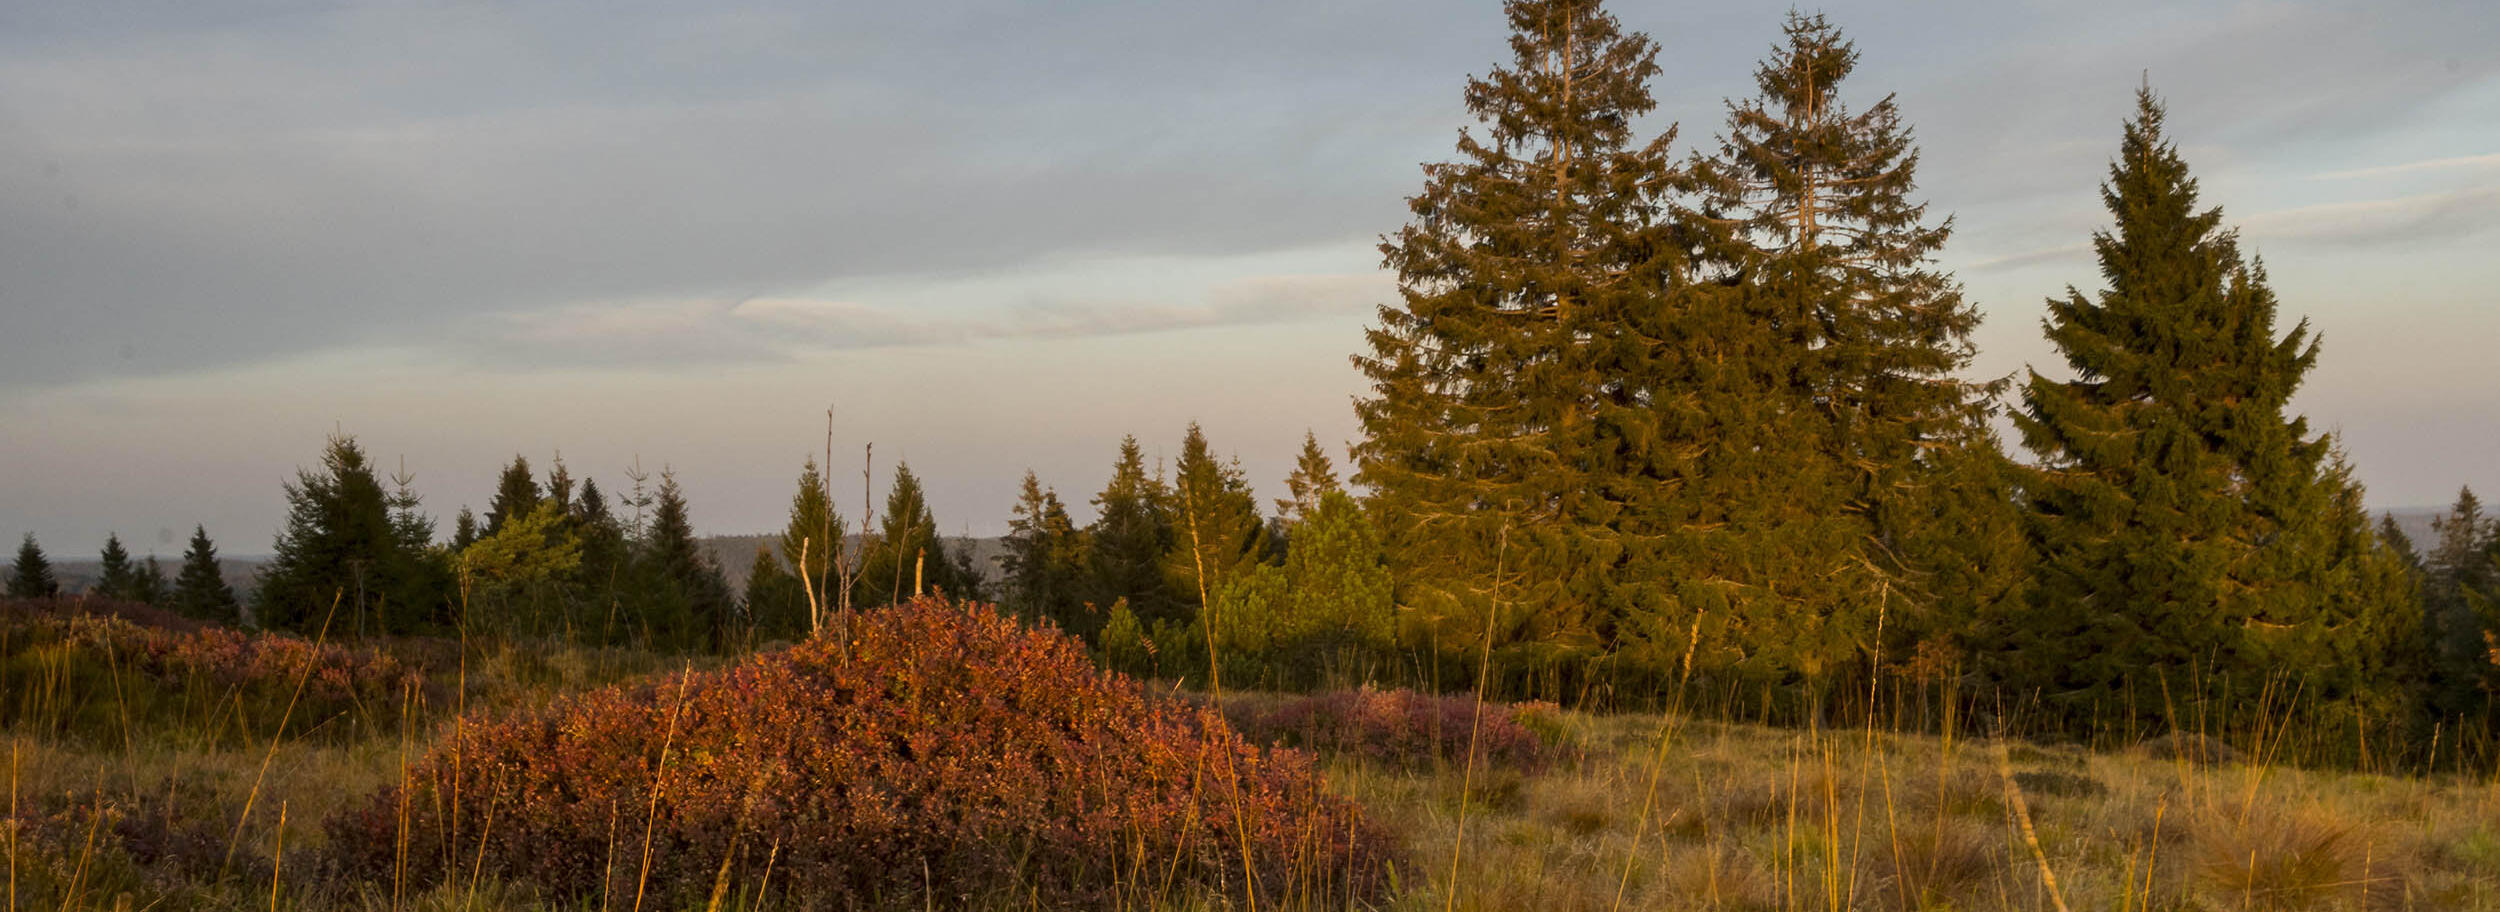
735	554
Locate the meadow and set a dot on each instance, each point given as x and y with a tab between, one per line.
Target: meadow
153	764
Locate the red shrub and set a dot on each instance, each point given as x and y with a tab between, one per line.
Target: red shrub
947	752
1399	728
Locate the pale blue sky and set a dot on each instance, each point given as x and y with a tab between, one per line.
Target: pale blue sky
998	236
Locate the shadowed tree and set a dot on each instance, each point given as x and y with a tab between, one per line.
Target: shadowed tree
1132	531
1045	563
350	543
906	555
200	589
30	576
516	496
116	576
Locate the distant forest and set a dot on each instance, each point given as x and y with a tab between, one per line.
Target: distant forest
1648	416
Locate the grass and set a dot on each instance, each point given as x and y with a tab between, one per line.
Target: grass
1636	811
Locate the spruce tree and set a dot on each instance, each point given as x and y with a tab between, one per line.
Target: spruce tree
116	577
1501	436
149	586
606	552
200	589
906	550
1314	476
2189	532
30	577
1856	482
1217	533
1325	616
464	531
1132	530
516	495
811	543
690	606
776	605
2457	570
352	544
1045	563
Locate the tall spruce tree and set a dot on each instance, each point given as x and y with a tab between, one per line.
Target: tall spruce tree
1045	563
1502	436
906	551
351	543
464	531
30	576
200	589
2457	574
1132	530
516	496
1860	487
148	586
810	548
1217	533
776	605
116	576
2190	534
1313	477
688	604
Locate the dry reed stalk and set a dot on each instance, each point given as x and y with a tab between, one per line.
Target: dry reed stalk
2022	815
277	859
278	736
13	763
1215	687
1475	724
658	781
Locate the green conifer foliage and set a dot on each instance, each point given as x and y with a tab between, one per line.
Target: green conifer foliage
2189	532
681	601
116	576
1314	476
30	576
809	544
906	550
516	495
464	531
776	605
200	589
2457	571
148	586
348	541
1217	533
1132	530
1046	564
515	578
1325	617
1502	437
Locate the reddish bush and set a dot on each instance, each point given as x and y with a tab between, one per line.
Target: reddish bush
1400	728
88	674
943	752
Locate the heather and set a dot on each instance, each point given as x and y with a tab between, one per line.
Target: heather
1400	729
935	748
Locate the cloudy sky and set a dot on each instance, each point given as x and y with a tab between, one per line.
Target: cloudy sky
997	236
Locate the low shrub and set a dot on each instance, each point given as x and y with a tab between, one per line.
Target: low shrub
940	753
1401	728
68	672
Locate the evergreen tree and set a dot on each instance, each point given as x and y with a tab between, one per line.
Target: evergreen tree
810	545
1132	530
200	589
148	585
691	606
776	605
31	576
1314	476
906	551
464	531
516	495
560	486
116	577
1217	533
2455	572
351	544
2393	533
598	582
1501	433
516	577
1325	616
1046	564
2189	533
1857	487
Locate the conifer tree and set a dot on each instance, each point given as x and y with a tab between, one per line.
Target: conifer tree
560	486
1045	563
906	549
1325	615
2189	532
115	575
605	551
690	606
1132	530
1501	433
776	605
2457	570
350	543
30	577
812	542
464	531
200	589
1217	533
1314	476
148	585
516	495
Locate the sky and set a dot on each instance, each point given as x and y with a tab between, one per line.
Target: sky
995	237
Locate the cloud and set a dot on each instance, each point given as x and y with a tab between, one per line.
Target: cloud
2447	214
2470	162
776	329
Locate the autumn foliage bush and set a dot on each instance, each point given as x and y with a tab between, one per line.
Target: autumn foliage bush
1400	728
938	752
89	670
